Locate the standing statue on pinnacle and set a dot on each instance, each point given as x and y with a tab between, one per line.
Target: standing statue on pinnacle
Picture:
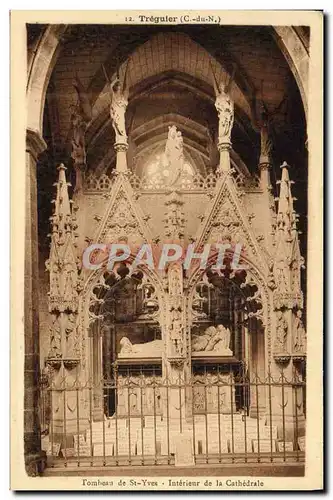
225	110
119	101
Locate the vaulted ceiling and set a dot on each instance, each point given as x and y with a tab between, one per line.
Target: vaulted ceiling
170	71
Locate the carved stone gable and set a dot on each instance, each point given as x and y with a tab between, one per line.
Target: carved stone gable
123	219
227	221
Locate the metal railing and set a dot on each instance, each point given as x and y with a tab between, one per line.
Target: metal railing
139	417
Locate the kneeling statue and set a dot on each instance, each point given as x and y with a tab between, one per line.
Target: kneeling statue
151	349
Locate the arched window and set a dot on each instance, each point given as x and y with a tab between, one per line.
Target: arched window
157	173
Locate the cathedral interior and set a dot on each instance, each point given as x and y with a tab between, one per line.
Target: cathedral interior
191	135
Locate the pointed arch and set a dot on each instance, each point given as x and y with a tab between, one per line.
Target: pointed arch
254	275
225	220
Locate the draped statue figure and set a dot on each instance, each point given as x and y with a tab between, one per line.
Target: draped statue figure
225	109
281	337
119	102
299	333
174	156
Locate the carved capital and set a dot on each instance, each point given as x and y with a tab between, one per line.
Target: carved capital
264	163
70	363
121	147
224	146
282	358
54	363
35	143
177	362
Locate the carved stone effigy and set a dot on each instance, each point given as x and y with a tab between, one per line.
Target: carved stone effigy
151	349
213	342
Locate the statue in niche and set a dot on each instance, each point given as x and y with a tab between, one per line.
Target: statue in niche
176	331
281	333
70	335
199	301
69	288
214	340
296	276
151	349
300	334
281	276
175	281
175	337
55	338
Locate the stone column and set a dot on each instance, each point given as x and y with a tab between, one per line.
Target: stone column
34	457
176	348
258	395
224	149
121	151
265	182
225	109
285	414
98	400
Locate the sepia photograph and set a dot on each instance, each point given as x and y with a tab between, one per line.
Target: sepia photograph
168	210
